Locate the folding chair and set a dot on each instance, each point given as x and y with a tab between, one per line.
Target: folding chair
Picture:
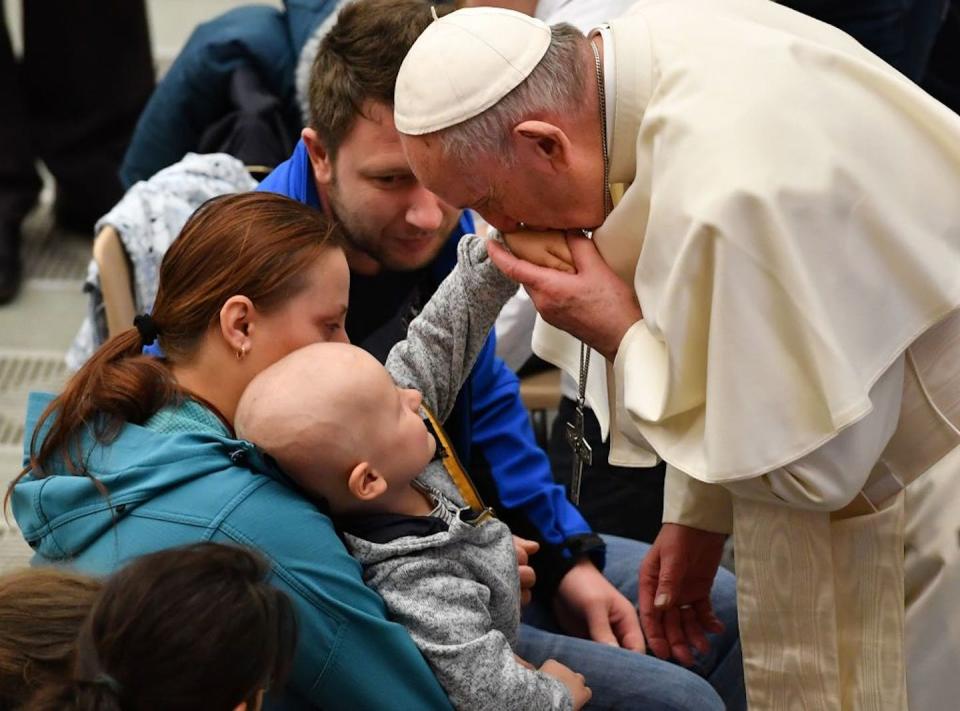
540	393
116	280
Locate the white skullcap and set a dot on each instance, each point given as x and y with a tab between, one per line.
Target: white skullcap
463	64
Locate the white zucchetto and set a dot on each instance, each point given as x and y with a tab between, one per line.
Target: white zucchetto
463	64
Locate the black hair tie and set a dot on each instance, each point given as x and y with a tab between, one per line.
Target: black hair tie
147	327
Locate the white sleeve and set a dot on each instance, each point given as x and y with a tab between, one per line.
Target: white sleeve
829	477
514	329
693	503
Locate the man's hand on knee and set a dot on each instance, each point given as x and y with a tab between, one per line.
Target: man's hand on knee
588	605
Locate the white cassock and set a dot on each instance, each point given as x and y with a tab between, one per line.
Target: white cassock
790	221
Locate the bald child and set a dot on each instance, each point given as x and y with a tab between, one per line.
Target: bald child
351	432
333	419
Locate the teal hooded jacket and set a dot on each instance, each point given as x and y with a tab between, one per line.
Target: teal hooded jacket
167	490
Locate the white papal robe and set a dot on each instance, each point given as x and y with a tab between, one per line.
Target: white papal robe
790	221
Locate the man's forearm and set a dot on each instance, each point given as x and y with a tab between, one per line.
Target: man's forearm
529	499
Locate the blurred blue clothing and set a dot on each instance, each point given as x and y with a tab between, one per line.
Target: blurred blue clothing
195	91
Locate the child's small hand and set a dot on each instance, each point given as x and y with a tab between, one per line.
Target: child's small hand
545	249
574	682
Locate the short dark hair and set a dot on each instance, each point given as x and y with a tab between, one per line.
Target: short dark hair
358	61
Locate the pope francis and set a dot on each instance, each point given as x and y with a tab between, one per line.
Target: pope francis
771	298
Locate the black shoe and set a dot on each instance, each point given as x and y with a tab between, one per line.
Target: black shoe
10	268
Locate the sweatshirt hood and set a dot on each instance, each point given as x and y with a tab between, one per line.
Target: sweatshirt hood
61	514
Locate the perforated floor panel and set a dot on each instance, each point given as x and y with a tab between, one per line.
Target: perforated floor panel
34	332
53	254
19	375
57	256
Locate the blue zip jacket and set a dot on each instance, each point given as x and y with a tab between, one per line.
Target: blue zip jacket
173	489
194	92
489	427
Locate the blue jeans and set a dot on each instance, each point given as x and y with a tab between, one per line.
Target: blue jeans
621	679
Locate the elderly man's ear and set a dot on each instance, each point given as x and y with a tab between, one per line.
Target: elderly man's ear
365	484
542	145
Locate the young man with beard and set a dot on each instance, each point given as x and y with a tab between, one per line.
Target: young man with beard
401	243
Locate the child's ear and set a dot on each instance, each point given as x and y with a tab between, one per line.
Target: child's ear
364	483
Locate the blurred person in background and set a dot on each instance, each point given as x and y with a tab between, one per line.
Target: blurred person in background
194	628
71	101
41	611
901	32
232	89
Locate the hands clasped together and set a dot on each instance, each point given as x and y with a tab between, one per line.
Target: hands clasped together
570	285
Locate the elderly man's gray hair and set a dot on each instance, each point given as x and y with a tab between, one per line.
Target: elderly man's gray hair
556	85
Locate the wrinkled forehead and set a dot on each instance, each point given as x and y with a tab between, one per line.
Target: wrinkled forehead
458	184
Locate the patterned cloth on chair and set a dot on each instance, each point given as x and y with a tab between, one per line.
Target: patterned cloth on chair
148	218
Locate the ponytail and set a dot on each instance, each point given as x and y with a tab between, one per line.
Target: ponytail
118	384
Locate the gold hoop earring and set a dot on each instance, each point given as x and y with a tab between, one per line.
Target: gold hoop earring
242	353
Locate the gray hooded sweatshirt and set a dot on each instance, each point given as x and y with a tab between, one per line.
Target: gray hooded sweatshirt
451	577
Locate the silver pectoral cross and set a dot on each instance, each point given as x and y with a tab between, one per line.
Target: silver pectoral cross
582	453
